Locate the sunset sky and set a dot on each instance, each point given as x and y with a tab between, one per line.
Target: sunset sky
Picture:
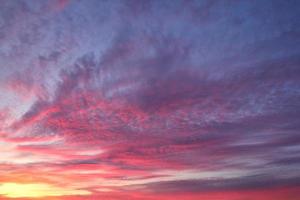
149	100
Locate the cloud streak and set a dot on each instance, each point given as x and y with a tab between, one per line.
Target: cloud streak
151	99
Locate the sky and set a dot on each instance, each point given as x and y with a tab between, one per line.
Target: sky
149	100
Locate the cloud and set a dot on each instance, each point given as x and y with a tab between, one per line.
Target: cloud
122	93
246	183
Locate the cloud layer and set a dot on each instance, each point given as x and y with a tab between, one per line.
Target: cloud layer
151	99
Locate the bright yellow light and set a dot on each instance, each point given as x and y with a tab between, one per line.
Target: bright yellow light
17	190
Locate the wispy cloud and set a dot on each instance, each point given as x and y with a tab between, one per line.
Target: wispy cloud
147	100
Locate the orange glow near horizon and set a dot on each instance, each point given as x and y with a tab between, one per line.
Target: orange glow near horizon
36	190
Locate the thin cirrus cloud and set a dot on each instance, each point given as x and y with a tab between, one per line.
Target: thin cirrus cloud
149	100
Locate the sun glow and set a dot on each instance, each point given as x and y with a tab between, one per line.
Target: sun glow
17	190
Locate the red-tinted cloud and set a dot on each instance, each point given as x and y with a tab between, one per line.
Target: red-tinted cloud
168	107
